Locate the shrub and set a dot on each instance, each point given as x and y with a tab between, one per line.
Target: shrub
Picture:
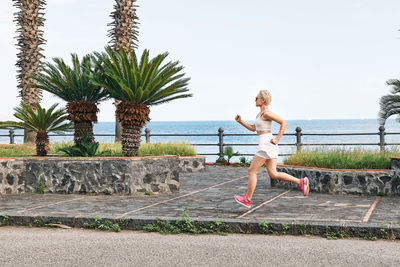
83	148
103	149
342	159
159	149
228	152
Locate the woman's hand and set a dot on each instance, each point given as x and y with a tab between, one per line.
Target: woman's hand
274	141
238	118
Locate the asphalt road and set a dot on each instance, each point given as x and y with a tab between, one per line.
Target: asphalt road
20	246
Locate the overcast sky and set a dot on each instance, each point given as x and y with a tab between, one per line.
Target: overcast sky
321	59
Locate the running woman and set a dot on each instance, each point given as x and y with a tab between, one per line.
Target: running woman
267	149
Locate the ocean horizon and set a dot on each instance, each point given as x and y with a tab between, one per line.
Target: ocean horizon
333	126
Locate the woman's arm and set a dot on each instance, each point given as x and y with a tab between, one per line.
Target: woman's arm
271	116
250	127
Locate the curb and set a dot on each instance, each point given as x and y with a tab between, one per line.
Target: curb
334	230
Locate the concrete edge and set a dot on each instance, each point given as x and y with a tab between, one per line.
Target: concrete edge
371	231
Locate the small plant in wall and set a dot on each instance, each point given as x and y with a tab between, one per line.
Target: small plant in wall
185	225
3	219
334	235
264	227
228	153
103	224
303	229
40	186
243	162
285	228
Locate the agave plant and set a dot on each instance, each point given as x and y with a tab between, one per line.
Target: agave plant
390	104
72	84
138	85
41	122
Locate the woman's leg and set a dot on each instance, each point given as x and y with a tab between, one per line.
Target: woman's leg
274	174
255	166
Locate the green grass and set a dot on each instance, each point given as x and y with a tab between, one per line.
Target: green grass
105	149
179	149
55	146
17	150
343	159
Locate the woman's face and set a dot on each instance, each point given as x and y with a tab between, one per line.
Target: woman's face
259	101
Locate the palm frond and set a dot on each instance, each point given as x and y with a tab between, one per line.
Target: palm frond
149	81
390	104
71	84
49	120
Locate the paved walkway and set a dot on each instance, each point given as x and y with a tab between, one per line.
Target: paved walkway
208	195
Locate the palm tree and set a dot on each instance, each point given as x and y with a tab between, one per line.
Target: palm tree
390	104
29	19
73	85
138	85
123	35
124	25
40	121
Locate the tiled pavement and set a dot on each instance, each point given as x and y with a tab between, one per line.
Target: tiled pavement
208	195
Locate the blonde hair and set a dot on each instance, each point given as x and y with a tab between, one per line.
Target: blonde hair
266	95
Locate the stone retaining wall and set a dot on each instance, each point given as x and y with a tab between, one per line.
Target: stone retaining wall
192	164
95	175
344	181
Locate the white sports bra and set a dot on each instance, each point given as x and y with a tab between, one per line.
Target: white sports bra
262	125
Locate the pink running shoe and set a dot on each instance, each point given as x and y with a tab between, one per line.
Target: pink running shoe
304	186
243	201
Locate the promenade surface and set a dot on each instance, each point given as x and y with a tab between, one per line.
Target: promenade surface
210	194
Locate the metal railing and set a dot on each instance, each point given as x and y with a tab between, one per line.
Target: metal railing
221	134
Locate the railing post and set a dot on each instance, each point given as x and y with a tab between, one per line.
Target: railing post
382	138
298	139
221	146
12	136
147	131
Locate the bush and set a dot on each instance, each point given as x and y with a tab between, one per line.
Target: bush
159	149
83	148
342	159
103	149
17	150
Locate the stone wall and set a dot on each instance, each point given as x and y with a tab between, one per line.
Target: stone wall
12	176
95	175
192	164
344	181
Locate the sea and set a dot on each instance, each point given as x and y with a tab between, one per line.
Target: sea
210	128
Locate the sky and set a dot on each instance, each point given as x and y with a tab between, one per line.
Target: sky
320	59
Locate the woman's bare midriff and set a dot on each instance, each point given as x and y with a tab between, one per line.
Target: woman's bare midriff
262	132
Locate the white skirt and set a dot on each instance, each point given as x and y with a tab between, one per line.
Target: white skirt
266	149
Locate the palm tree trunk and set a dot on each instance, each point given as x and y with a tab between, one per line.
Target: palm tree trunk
29	137
29	19
132	117
81	128
42	143
118	131
118	126
124	33
131	135
82	114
